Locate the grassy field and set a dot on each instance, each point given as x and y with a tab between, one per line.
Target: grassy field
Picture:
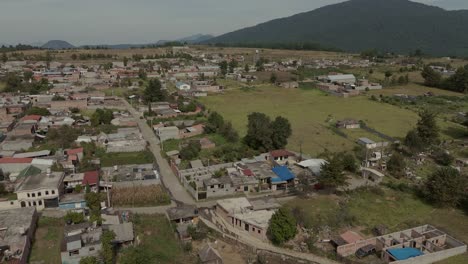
2	86
47	240
412	89
158	242
124	158
311	113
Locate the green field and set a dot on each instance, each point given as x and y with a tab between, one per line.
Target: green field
158	244
124	158
47	240
312	113
2	86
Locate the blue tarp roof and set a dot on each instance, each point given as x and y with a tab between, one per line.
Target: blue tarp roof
404	253
283	173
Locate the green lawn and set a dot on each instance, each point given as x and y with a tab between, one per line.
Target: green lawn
2	86
158	241
47	240
124	158
311	112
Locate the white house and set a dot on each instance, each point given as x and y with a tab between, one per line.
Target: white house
182	86
41	190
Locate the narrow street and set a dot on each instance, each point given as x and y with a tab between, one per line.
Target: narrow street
168	178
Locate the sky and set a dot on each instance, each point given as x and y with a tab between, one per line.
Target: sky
83	22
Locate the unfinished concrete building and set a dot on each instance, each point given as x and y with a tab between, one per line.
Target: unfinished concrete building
420	245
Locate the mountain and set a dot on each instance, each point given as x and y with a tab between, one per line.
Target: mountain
398	26
57	44
451	4
194	39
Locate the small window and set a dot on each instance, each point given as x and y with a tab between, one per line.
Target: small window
259	231
253	229
29	203
40	202
39	194
34	203
53	191
33	195
46	192
29	195
11	203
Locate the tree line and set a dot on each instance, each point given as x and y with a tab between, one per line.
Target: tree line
458	82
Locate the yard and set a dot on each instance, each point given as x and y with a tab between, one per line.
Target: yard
47	240
158	243
397	210
140	196
124	158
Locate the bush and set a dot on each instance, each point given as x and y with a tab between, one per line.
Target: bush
443	158
282	226
74	217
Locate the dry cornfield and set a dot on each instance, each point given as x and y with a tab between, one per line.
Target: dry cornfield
139	196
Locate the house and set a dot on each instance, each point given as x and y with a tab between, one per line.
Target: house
80	241
281	156
91	179
209	255
124	233
348	124
341	78
240	213
182	86
283	178
16	234
41	190
313	165
370	144
73	201
166	133
184	214
423	245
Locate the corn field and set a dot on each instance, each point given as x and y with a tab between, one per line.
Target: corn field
139	196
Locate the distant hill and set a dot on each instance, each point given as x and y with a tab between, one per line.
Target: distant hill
57	44
195	39
451	4
398	26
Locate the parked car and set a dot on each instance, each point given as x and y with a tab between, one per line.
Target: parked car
365	251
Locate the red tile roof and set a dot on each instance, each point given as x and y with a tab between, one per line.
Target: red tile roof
74	151
15	160
32	117
280	153
91	178
248	172
72	157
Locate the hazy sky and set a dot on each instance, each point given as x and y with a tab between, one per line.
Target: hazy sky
137	21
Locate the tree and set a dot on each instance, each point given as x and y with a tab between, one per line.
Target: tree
190	151
443	157
228	132
414	142
89	260
107	250
331	175
102	117
273	78
427	127
215	122
431	77
396	165
223	66
142	74
37	111
232	65
4	57
125	61
136	255
259	134
349	162
247	68
74	217
153	92
28	75
445	187
48	59
282	226
93	200
281	131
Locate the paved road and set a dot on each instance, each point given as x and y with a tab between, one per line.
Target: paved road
169	179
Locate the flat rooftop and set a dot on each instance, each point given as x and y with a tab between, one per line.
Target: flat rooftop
40	181
14	225
257	218
235	205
